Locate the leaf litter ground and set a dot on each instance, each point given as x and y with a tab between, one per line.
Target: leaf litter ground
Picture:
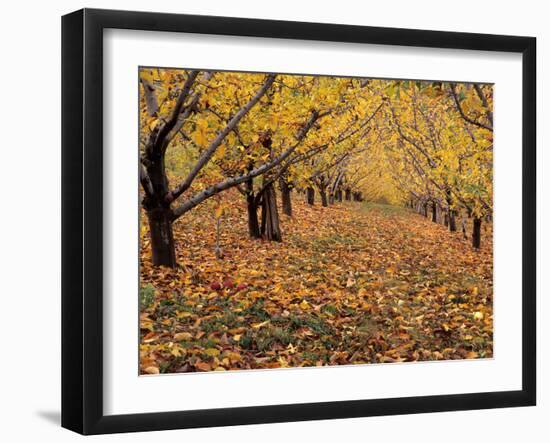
354	283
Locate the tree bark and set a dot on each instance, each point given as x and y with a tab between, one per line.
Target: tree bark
348	194
310	193
162	237
159	214
446	219
323	193
434	212
476	233
270	216
252	209
253	224
285	197
339	195
452	212
452	220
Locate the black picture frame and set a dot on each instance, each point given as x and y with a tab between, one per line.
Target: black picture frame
82	218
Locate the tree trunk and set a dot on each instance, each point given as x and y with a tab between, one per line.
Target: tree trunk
425	209
348	194
331	198
253	225
452	220
452	212
476	233
270	217
252	209
339	195
446	219
285	197
434	212
310	193
324	200
162	237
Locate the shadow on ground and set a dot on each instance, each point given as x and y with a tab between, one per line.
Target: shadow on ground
54	417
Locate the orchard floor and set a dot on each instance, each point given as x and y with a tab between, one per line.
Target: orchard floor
354	283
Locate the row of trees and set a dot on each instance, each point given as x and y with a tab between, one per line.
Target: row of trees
441	150
203	133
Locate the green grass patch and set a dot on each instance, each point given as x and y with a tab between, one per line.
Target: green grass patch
384	208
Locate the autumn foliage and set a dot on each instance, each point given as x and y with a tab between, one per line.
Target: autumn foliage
295	221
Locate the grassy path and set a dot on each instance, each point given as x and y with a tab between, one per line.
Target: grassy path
349	284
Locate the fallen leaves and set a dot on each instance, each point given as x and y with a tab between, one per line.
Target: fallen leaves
351	284
181	336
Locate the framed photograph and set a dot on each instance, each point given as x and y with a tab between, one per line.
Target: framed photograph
270	221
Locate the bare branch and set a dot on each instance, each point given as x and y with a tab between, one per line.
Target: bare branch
150	97
423	151
209	152
162	140
234	181
483	99
467	119
194	100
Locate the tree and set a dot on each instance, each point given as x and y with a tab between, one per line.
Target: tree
171	117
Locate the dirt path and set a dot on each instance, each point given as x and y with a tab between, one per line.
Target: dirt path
349	284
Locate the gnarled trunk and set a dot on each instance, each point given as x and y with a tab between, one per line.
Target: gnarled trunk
476	233
310	195
270	217
285	197
162	237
